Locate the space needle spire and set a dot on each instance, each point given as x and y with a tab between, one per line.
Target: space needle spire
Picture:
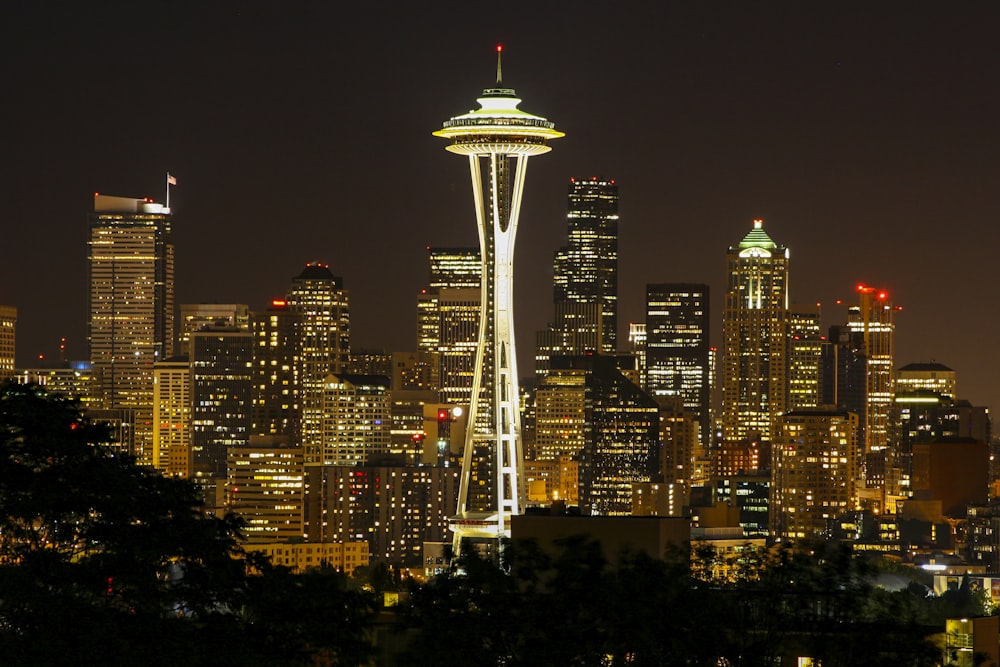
498	138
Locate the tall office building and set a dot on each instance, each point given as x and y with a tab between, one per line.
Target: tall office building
755	330
586	268
448	268
8	327
131	306
805	356
871	319
195	316
677	349
448	318
277	357
172	417
585	277
502	136
221	395
322	302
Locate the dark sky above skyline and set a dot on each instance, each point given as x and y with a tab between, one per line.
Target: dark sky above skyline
865	135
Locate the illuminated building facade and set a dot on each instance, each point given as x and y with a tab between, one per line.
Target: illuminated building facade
755	333
196	316
277	362
320	299
221	395
929	376
677	349
586	269
172	417
561	427
459	314
74	379
449	268
131	305
620	428
357	423
265	486
805	356
871	319
679	429
498	139
395	509
576	330
813	470
8	328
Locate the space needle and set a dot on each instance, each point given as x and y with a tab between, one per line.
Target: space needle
498	138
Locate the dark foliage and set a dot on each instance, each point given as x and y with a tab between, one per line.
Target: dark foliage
105	562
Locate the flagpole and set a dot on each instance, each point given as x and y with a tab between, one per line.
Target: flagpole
168	190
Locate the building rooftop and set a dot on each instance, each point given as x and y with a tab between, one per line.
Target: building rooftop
925	366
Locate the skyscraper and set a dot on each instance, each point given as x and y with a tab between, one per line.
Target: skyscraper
585	277
172	417
504	137
755	330
277	390
871	319
586	268
805	356
131	306
322	302
221	396
448	318
677	348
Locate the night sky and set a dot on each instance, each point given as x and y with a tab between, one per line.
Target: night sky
865	134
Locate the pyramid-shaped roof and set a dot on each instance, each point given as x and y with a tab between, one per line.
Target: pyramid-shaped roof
757	237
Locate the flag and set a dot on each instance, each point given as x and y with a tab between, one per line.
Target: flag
171	180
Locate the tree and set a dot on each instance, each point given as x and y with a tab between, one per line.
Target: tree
106	562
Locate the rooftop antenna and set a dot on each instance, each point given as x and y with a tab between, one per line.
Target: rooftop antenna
499	71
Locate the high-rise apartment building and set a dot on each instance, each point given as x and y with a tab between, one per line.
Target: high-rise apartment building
131	305
755	333
586	268
322	302
266	486
813	471
396	509
8	327
357	422
677	349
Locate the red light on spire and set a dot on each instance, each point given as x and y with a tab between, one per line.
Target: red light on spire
499	48
882	296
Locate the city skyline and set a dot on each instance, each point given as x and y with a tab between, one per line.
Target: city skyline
864	138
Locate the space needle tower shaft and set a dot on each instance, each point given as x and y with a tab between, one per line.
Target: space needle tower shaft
498	138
